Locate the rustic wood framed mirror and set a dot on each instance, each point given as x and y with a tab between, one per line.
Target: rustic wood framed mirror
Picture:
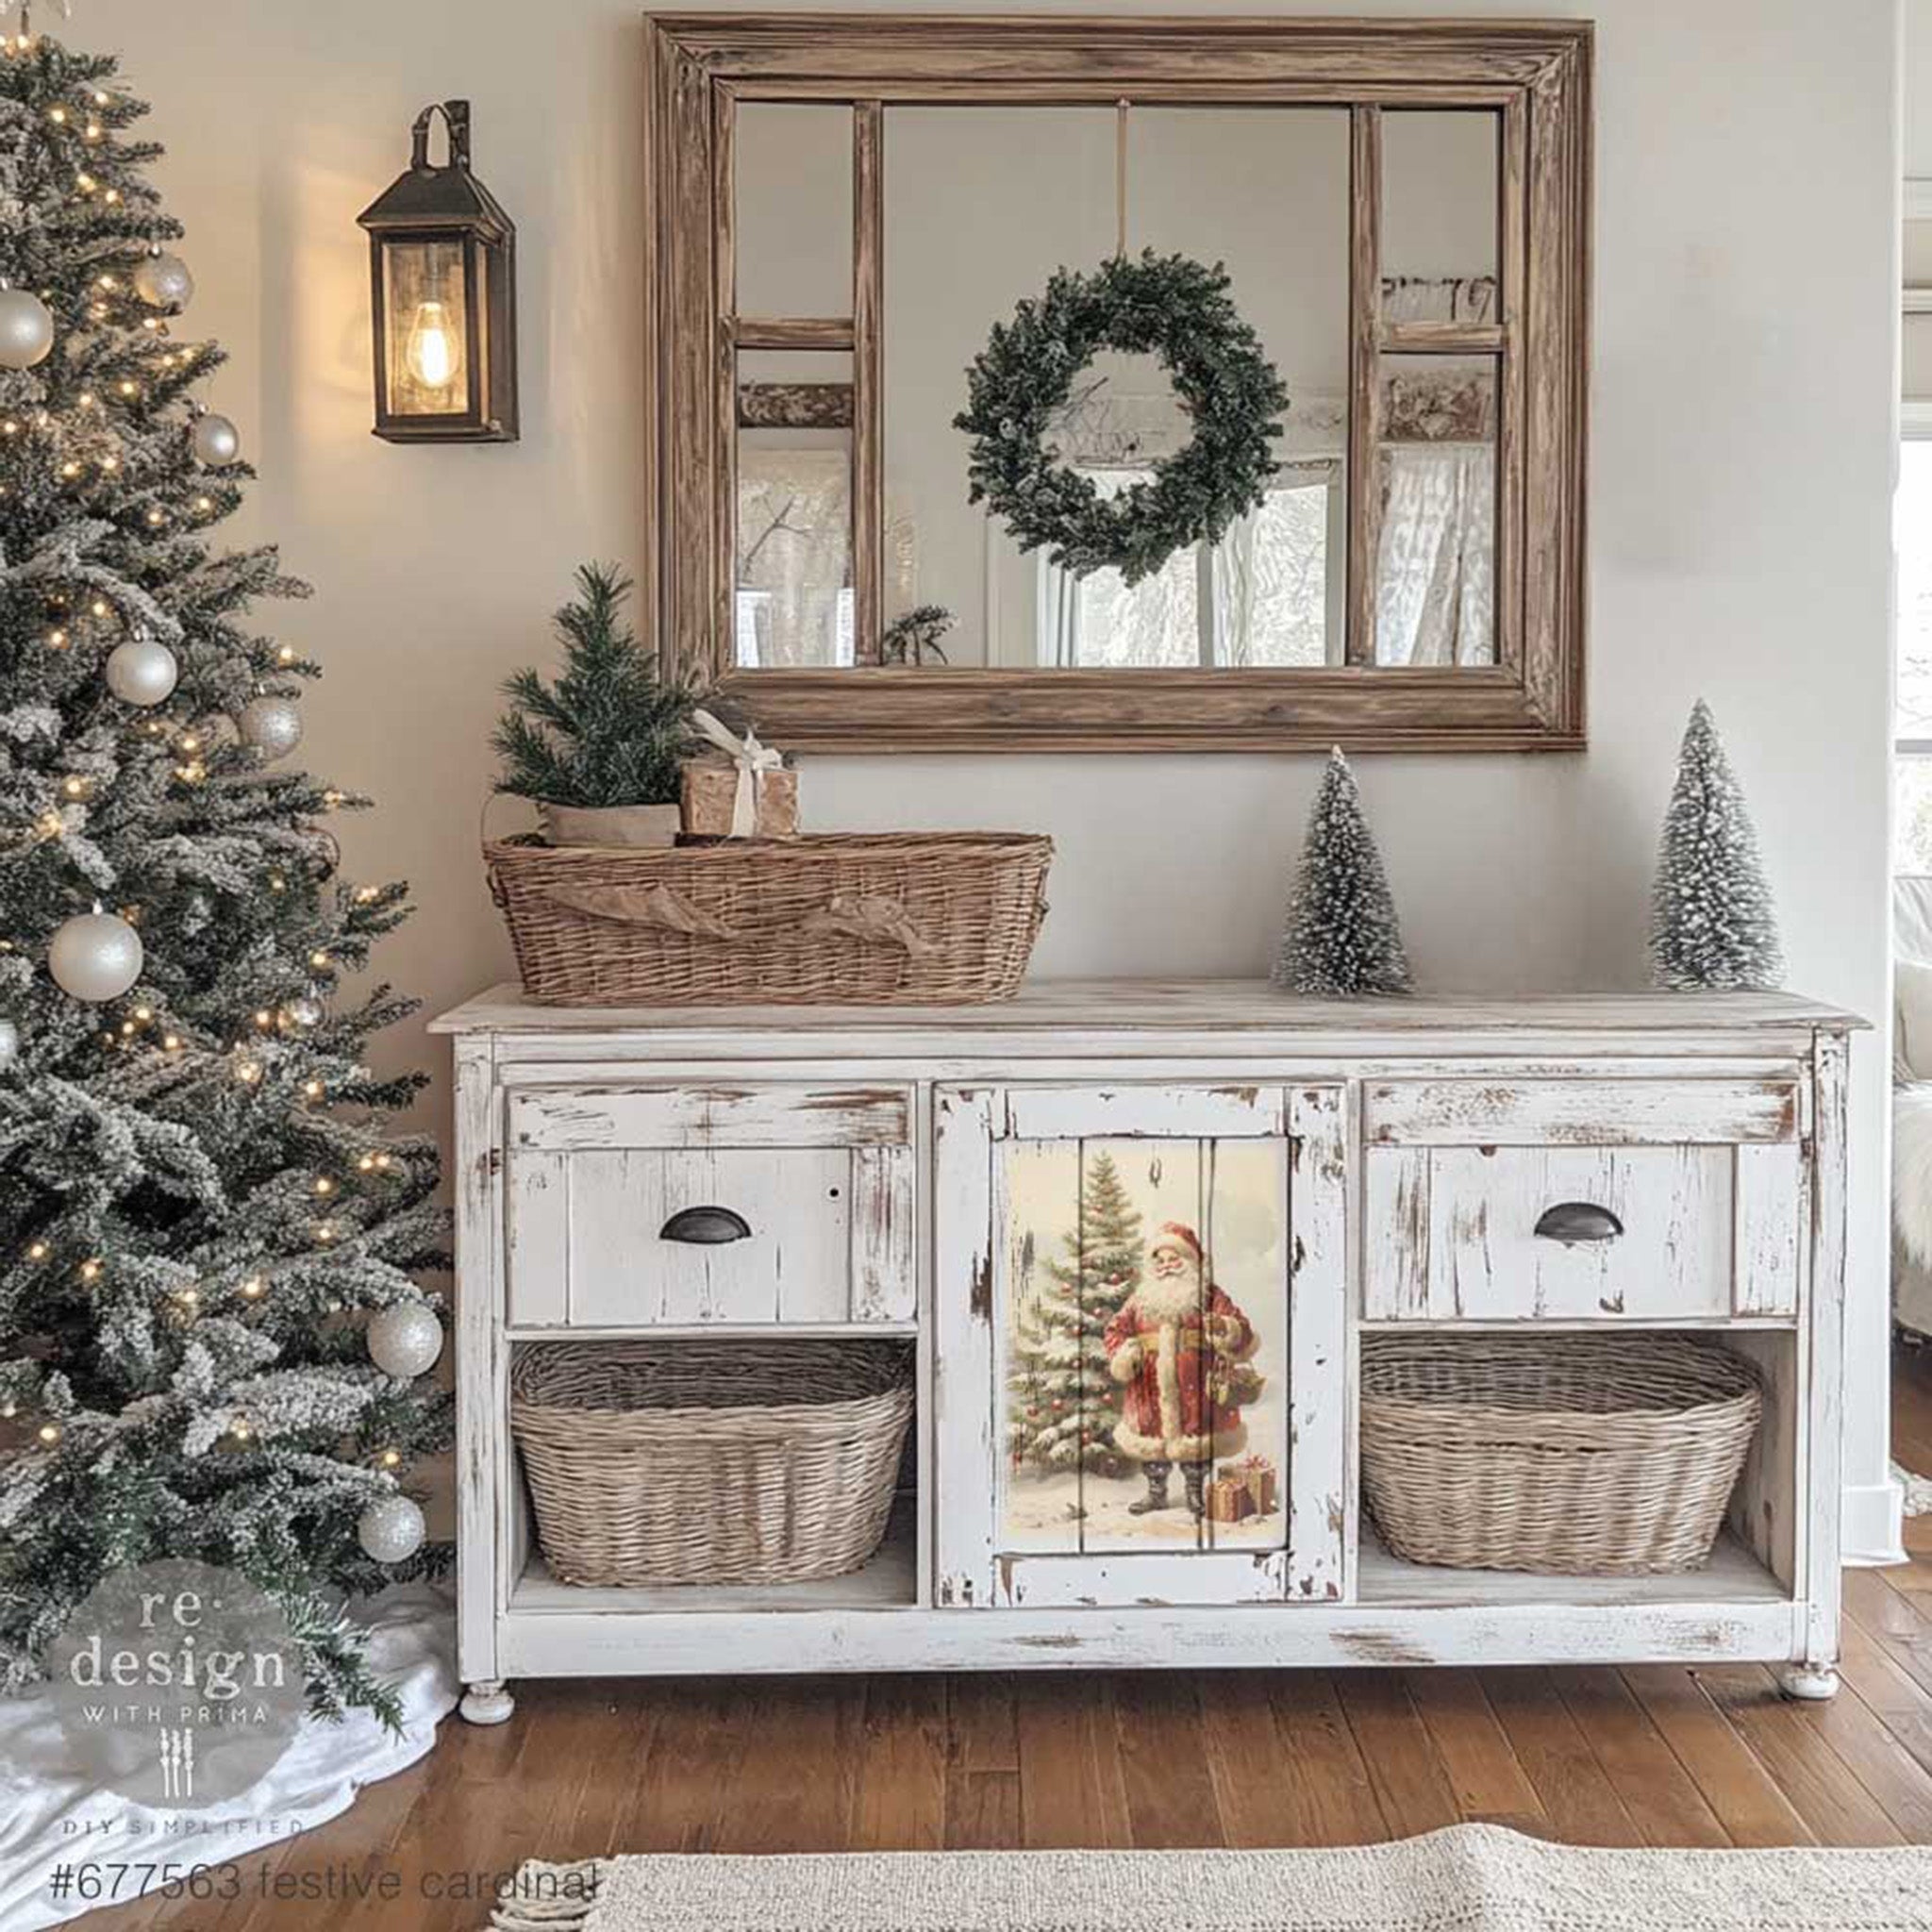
842	206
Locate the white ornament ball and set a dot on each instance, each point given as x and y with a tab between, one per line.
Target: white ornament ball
141	671
272	725
95	956
303	1011
27	328
405	1341
9	1044
391	1530
215	439
162	281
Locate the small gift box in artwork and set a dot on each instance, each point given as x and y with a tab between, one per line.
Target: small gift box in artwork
743	789
1257	1475
1229	1500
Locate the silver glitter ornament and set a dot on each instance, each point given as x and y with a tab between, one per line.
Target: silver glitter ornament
405	1341
27	328
162	281
391	1530
272	725
141	671
215	439
95	956
304	1010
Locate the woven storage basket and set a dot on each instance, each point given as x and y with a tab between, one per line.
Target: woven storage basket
937	918
1568	1454
710	1461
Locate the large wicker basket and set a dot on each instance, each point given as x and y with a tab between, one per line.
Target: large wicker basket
702	1461
930	918
1566	1454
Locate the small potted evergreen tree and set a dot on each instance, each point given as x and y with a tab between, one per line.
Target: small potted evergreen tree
598	750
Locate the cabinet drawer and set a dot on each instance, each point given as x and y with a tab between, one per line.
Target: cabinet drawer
1697	1188
816	1185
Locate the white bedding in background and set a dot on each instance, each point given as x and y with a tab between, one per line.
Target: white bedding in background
1912	1170
49	1818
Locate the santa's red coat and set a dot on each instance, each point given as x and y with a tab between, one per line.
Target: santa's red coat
1164	1354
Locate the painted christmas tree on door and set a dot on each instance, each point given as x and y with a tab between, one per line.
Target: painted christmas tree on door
1145	1344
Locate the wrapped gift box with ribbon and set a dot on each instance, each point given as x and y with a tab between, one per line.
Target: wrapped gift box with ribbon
742	789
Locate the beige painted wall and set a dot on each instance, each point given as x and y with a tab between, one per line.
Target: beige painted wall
1744	390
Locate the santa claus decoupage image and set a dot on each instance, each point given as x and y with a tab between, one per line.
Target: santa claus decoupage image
1144	1344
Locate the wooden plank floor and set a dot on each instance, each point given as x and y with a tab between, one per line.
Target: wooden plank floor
1665	1756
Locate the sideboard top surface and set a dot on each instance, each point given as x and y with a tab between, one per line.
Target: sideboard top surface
1245	1012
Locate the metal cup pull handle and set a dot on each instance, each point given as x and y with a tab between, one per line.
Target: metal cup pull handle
705	1226
1578	1221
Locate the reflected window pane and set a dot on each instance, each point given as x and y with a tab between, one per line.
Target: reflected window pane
1435	570
1263	597
793	602
970	233
792	168
1441	172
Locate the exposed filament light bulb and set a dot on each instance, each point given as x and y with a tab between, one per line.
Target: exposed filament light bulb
433	352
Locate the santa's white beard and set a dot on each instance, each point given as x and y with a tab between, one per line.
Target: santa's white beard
1169	1297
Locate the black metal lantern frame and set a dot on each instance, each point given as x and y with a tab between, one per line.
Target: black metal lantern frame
442	296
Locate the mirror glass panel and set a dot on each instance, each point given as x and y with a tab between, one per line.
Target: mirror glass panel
1440	187
792	605
1435	567
981	205
794	166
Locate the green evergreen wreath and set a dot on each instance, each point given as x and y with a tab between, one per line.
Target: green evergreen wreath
1165	305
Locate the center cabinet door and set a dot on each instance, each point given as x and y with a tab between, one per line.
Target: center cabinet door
1142	1359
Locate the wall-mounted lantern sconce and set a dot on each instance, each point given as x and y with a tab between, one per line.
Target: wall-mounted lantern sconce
442	280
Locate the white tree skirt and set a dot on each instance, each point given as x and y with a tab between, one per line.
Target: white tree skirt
49	1818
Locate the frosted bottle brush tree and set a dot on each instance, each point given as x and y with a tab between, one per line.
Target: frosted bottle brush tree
1342	938
211	1338
1713	922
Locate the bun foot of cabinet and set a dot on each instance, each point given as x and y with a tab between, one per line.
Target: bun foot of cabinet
487	1703
1808	1683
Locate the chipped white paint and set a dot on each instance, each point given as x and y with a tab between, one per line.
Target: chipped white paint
1708	1231
1318	1461
883	1282
1426	1137
720	1114
1579	1112
822	1177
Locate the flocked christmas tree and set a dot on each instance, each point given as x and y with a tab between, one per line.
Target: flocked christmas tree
1061	1399
211	1342
1342	938
1713	922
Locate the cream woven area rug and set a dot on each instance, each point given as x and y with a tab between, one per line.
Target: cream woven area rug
1471	1878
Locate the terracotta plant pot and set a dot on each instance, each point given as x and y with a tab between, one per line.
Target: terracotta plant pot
611	825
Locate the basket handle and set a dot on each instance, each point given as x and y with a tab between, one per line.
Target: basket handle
884	922
658	906
497	891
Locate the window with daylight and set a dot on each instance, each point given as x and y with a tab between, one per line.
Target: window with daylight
1262	597
1912	767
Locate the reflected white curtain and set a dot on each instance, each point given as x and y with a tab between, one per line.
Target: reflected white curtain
1233	562
1435	593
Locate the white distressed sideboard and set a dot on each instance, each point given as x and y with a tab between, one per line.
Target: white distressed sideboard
1009	1188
